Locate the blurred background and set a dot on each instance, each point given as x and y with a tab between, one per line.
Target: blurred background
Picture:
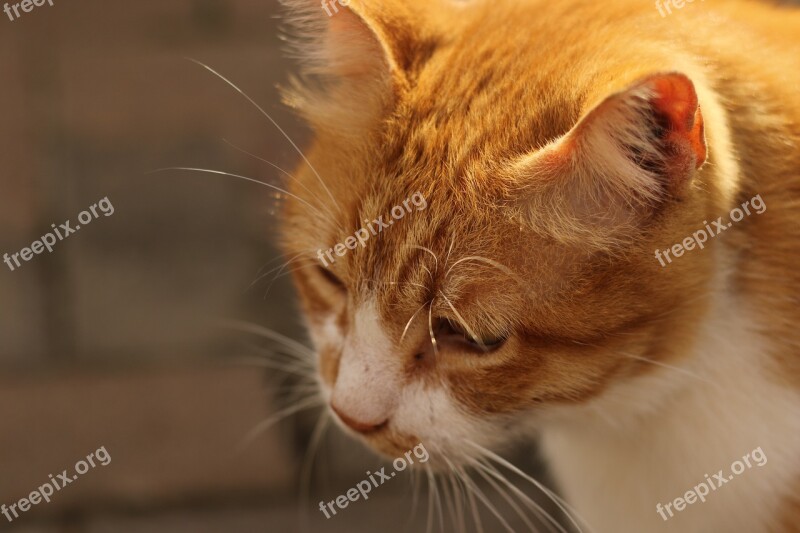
112	339
109	341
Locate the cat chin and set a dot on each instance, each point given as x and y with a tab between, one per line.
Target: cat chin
390	448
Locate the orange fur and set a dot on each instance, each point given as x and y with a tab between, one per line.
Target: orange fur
517	121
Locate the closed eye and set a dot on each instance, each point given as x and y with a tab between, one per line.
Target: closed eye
331	278
451	330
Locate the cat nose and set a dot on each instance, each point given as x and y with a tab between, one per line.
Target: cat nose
364	428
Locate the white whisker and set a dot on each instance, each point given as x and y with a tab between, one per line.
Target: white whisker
410	320
429	521
245	178
563	505
458	498
464	323
437	500
308	464
665	365
308	403
534	506
430	330
253	102
479	493
507	498
448	498
273	165
488	261
261	276
435	258
261	331
304	372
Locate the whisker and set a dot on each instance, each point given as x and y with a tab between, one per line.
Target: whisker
261	276
435	257
273	165
450	249
252	361
268	263
261	331
430	330
245	178
466	491
507	498
458	499
308	464
529	503
282	353
308	403
410	320
671	367
464	323
563	505
476	517
488	261
429	521
447	498
395	282
437	500
439	504
482	497
430	274
280	275
415	488
229	82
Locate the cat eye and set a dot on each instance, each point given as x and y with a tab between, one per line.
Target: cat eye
454	330
331	278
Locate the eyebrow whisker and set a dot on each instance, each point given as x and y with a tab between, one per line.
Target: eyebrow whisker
430	329
410	320
463	322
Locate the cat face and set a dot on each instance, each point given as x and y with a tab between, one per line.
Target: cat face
527	283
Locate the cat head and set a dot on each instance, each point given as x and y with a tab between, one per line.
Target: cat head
532	170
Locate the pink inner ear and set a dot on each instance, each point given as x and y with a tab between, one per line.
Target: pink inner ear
676	100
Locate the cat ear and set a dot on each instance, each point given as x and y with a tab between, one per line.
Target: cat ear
339	37
360	50
627	155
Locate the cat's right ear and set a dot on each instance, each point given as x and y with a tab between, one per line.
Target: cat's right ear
634	151
356	55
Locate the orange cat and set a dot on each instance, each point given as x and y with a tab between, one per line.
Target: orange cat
570	155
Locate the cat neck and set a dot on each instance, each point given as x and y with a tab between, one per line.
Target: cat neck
654	438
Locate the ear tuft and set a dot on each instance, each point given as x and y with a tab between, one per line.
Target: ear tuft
332	38
355	57
649	138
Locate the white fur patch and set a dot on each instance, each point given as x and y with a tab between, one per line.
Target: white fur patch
652	440
369	370
371	387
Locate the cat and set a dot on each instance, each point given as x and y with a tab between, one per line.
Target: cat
557	146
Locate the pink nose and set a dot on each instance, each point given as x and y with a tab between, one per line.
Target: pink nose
361	427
